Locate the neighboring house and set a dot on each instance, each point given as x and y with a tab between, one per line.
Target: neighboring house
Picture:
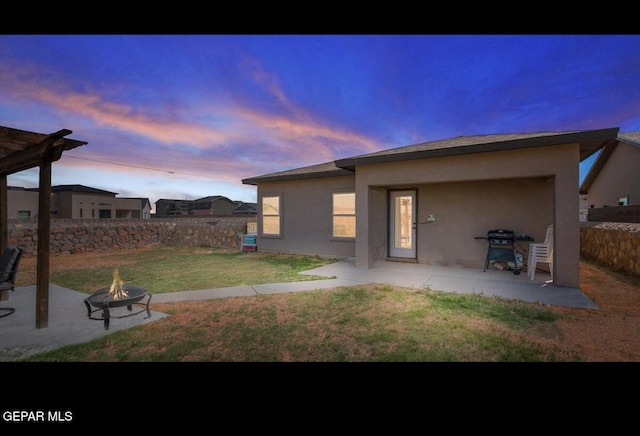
246	208
584	208
77	202
212	205
133	207
145	204
614	177
22	203
167	207
427	202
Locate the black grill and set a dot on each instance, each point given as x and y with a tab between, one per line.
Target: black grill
501	248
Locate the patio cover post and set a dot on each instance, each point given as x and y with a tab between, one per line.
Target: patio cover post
4	224
44	237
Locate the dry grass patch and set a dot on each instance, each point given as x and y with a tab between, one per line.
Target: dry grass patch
378	323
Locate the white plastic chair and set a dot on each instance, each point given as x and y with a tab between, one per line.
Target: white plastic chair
541	252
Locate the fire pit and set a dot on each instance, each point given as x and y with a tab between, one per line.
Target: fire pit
117	295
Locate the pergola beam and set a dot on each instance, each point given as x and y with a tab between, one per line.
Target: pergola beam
49	149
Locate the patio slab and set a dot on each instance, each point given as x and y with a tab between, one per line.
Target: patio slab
464	280
68	322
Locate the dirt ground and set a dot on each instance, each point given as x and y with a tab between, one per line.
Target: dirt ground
608	334
612	333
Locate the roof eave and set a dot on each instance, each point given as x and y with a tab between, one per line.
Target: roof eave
285	177
590	142
597	166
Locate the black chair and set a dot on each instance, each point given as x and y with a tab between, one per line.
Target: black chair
8	268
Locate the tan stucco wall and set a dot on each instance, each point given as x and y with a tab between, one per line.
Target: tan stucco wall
61	205
67	204
464	210
469	209
306	214
20	199
124	206
70	203
556	166
620	176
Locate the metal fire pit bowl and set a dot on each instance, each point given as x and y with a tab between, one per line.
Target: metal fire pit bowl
103	300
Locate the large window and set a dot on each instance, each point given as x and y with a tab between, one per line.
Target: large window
271	215
344	215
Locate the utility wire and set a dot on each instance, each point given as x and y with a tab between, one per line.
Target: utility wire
147	168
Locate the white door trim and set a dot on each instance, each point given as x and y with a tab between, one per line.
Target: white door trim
402	223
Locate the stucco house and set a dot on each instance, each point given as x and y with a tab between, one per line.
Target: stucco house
133	207
77	202
614	177
22	203
213	205
426	203
245	208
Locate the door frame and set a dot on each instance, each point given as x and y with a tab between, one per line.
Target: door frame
401	253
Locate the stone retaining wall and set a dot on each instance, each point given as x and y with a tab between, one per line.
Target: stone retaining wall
70	236
615	245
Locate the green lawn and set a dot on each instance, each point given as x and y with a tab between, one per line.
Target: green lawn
164	269
370	323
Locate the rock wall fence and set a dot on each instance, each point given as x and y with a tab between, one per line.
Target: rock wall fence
612	244
72	236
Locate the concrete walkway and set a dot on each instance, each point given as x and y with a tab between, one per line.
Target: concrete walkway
462	280
69	323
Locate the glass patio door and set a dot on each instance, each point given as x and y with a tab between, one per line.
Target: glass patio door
402	224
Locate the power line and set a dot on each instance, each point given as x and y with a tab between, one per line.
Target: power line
146	168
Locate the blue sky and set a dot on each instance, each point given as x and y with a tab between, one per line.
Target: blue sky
187	116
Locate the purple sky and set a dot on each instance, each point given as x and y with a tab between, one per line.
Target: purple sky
187	116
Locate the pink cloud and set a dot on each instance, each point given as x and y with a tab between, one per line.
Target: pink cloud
291	139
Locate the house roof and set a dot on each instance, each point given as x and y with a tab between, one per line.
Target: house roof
320	170
80	188
21	188
246	208
173	200
631	138
590	142
212	198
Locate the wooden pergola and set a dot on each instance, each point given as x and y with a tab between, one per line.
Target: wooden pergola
21	150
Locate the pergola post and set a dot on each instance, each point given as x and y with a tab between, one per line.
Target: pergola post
44	239
4	224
